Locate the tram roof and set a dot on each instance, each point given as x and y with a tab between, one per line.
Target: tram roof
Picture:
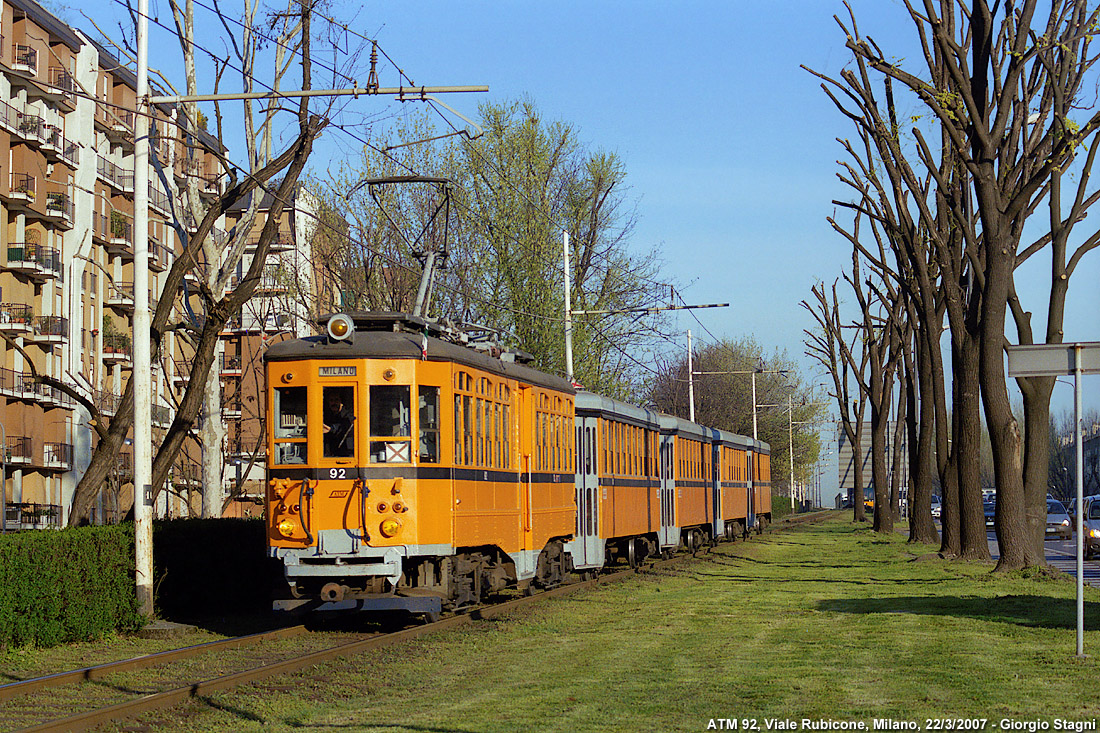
390	344
590	402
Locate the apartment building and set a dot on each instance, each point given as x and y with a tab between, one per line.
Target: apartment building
282	306
66	281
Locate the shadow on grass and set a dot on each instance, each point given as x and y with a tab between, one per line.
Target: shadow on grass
1032	611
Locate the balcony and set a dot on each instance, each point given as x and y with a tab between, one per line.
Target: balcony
116	349
51	140
22	189
61	87
283	242
24	60
57	147
159	200
107	402
101	228
231	400
28	516
182	373
231	365
125	464
30	128
162	415
59	209
26	387
9	117
189	475
121	295
18	450
160	257
118	178
50	330
30	258
121	129
121	240
58	456
16	318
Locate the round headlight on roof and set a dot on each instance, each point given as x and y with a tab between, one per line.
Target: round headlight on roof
340	327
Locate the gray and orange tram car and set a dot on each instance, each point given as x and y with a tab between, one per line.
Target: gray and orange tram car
410	471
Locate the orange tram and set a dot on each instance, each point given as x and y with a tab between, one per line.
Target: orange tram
409	470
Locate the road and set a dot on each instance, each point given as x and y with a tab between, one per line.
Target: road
1061	554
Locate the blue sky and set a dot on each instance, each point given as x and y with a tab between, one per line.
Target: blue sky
729	145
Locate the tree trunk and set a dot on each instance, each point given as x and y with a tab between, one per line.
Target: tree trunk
1037	459
859	512
884	518
896	463
1016	551
920	431
973	543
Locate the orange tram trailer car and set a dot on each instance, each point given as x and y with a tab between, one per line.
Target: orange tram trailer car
410	471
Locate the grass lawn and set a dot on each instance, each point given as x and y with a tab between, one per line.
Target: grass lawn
821	622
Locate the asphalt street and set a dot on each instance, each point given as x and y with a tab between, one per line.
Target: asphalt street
1061	554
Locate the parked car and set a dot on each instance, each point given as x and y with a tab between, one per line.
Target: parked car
990	509
1058	522
1071	508
1090	527
937	507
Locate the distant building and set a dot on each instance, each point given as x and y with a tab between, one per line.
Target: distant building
847	464
1091	462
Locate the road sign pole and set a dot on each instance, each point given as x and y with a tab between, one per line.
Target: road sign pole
1078	372
1056	360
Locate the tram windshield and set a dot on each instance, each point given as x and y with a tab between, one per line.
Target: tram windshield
390	424
338	413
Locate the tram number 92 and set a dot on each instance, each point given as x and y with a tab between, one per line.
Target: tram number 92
337	473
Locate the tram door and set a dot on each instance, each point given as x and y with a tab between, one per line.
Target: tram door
587	547
750	520
669	533
718	528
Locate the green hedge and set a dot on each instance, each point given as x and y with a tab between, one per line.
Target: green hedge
781	507
78	584
71	585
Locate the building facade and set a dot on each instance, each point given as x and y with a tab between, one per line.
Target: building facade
66	283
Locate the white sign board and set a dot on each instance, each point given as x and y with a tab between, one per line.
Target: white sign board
1052	360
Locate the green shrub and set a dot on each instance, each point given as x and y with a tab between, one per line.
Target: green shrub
781	507
71	585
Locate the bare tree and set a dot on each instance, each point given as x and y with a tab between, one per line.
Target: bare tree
218	305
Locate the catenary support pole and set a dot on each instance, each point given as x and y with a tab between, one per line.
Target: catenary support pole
691	383
143	433
568	310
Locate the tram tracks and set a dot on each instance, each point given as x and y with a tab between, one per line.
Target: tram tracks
24	703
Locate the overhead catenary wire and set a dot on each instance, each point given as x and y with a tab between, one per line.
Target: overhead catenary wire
397	263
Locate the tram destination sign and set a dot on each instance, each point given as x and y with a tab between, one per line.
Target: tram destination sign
1053	360
336	371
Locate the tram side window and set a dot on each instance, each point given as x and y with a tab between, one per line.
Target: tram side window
290	425
429	425
390	424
